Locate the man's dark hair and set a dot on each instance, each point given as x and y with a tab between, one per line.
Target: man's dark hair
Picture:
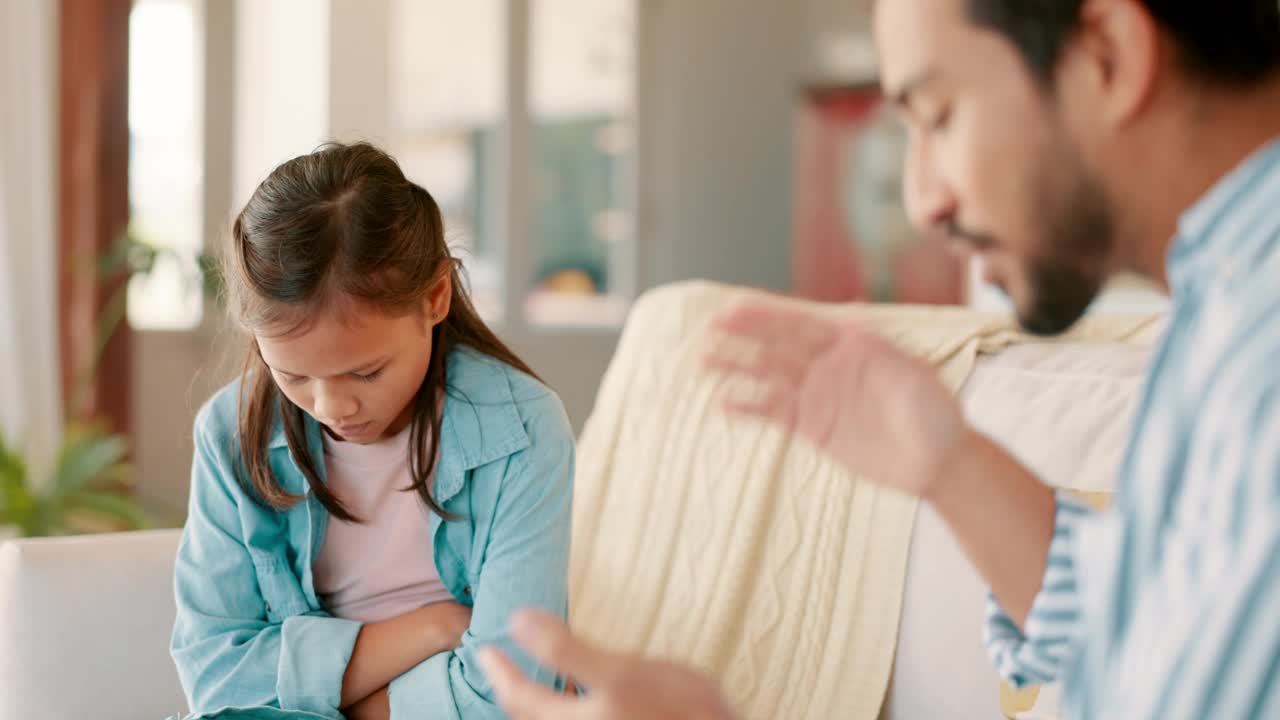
1230	42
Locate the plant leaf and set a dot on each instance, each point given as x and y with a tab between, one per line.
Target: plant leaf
11	463
214	284
112	505
39	519
15	497
130	254
89	455
116	258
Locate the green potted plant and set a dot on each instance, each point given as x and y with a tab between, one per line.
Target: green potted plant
87	491
90	485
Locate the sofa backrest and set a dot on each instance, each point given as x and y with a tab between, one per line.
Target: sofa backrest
84	627
733	547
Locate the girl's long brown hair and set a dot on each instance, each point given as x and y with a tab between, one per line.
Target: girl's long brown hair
341	224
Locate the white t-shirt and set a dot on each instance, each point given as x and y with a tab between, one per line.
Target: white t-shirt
383	566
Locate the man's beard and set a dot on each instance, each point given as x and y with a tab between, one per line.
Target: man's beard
1069	271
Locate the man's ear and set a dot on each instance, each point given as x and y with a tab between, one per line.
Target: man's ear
1118	49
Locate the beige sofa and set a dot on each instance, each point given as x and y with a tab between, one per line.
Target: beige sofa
84	622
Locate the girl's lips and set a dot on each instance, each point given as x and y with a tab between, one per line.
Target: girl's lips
352	430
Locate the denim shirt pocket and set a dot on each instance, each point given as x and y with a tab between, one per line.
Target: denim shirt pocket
281	590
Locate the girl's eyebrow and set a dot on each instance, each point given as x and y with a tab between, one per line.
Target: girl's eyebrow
354	371
367	366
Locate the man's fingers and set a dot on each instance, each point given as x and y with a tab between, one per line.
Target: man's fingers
771	325
763	364
776	405
518	695
758	320
549	641
763	387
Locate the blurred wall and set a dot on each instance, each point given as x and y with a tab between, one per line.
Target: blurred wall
722	81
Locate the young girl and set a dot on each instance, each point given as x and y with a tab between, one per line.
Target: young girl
385	483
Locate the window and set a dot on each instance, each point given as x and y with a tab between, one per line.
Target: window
447	77
544	223
450	105
165	213
581	98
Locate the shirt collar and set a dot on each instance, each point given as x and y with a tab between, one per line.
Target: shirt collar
1198	241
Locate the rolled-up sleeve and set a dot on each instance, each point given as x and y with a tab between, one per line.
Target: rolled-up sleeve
227	651
1036	654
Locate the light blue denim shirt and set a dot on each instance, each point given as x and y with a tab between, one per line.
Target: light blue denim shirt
250	631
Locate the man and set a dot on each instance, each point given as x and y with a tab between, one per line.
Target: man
1063	141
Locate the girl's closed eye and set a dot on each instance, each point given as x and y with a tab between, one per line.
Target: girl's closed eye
369	377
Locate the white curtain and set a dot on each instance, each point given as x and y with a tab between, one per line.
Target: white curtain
30	399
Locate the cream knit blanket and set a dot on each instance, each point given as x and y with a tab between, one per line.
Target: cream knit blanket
734	548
